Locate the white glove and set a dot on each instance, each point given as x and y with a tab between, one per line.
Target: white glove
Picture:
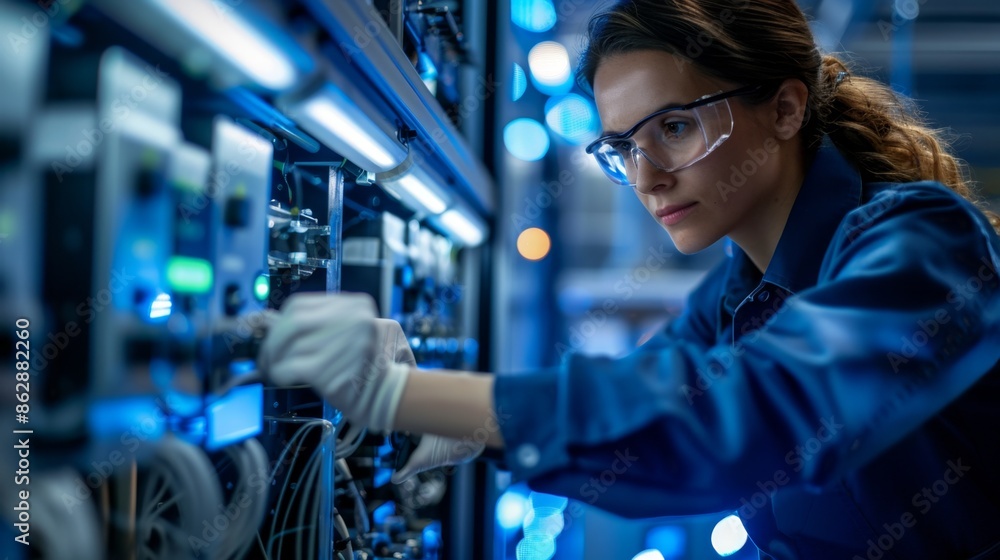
432	451
437	451
334	343
357	362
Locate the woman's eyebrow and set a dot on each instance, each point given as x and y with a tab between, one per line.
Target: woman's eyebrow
670	105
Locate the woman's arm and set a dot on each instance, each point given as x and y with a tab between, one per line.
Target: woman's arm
450	403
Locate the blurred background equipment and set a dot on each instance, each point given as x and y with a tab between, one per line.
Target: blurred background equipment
170	169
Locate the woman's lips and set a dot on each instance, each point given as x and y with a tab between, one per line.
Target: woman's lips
674	213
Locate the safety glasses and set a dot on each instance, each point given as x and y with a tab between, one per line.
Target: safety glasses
670	139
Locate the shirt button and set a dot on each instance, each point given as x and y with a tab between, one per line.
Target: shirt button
528	455
764	295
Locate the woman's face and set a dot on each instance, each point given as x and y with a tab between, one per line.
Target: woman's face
723	194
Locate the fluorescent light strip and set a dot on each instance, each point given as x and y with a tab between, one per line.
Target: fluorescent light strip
343	126
222	28
462	227
424	195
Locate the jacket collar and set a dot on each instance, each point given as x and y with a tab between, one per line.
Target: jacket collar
831	189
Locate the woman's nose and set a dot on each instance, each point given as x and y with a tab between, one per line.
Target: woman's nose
649	177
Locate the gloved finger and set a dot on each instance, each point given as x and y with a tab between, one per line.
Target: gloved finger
410	470
437	451
426	456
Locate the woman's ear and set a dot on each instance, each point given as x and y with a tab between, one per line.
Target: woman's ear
789	109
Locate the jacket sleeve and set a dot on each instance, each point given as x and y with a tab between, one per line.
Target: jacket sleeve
905	317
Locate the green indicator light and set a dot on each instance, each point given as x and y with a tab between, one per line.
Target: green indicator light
188	275
261	287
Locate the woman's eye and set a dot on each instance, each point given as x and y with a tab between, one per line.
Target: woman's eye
675	128
623	148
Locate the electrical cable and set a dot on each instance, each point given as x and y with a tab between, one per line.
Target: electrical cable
261	543
249	458
65	529
338	522
257	462
300	438
189	476
360	508
297	439
232	540
310	475
347	449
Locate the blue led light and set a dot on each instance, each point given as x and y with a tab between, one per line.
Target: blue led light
670	540
242	366
533	15
138	416
729	536
432	540
526	139
535	547
546	521
519	82
160	307
540	500
383	512
550	68
426	67
382	476
236	416
573	118
511	509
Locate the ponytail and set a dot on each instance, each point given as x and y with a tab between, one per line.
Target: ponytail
885	136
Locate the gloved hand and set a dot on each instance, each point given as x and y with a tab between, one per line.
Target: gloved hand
432	451
358	363
437	451
335	344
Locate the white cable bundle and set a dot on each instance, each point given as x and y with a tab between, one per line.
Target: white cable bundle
250	460
189	482
64	532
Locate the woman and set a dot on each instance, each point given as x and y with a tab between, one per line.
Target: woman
835	381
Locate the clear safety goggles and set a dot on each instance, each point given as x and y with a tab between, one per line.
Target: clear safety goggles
670	139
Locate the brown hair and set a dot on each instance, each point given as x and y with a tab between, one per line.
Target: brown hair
768	41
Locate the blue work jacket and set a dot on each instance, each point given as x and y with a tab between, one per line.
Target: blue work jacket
846	403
